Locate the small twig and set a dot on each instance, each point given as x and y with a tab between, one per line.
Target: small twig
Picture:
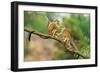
50	37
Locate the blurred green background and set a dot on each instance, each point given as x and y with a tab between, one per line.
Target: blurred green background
77	23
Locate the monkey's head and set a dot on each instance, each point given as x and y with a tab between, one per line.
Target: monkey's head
54	26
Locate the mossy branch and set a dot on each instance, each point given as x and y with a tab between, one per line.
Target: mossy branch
44	36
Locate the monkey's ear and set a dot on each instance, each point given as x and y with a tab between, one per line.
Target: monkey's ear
29	37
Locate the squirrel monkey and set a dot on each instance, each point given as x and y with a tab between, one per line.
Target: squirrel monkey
54	28
60	32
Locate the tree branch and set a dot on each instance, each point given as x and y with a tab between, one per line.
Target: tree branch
50	37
